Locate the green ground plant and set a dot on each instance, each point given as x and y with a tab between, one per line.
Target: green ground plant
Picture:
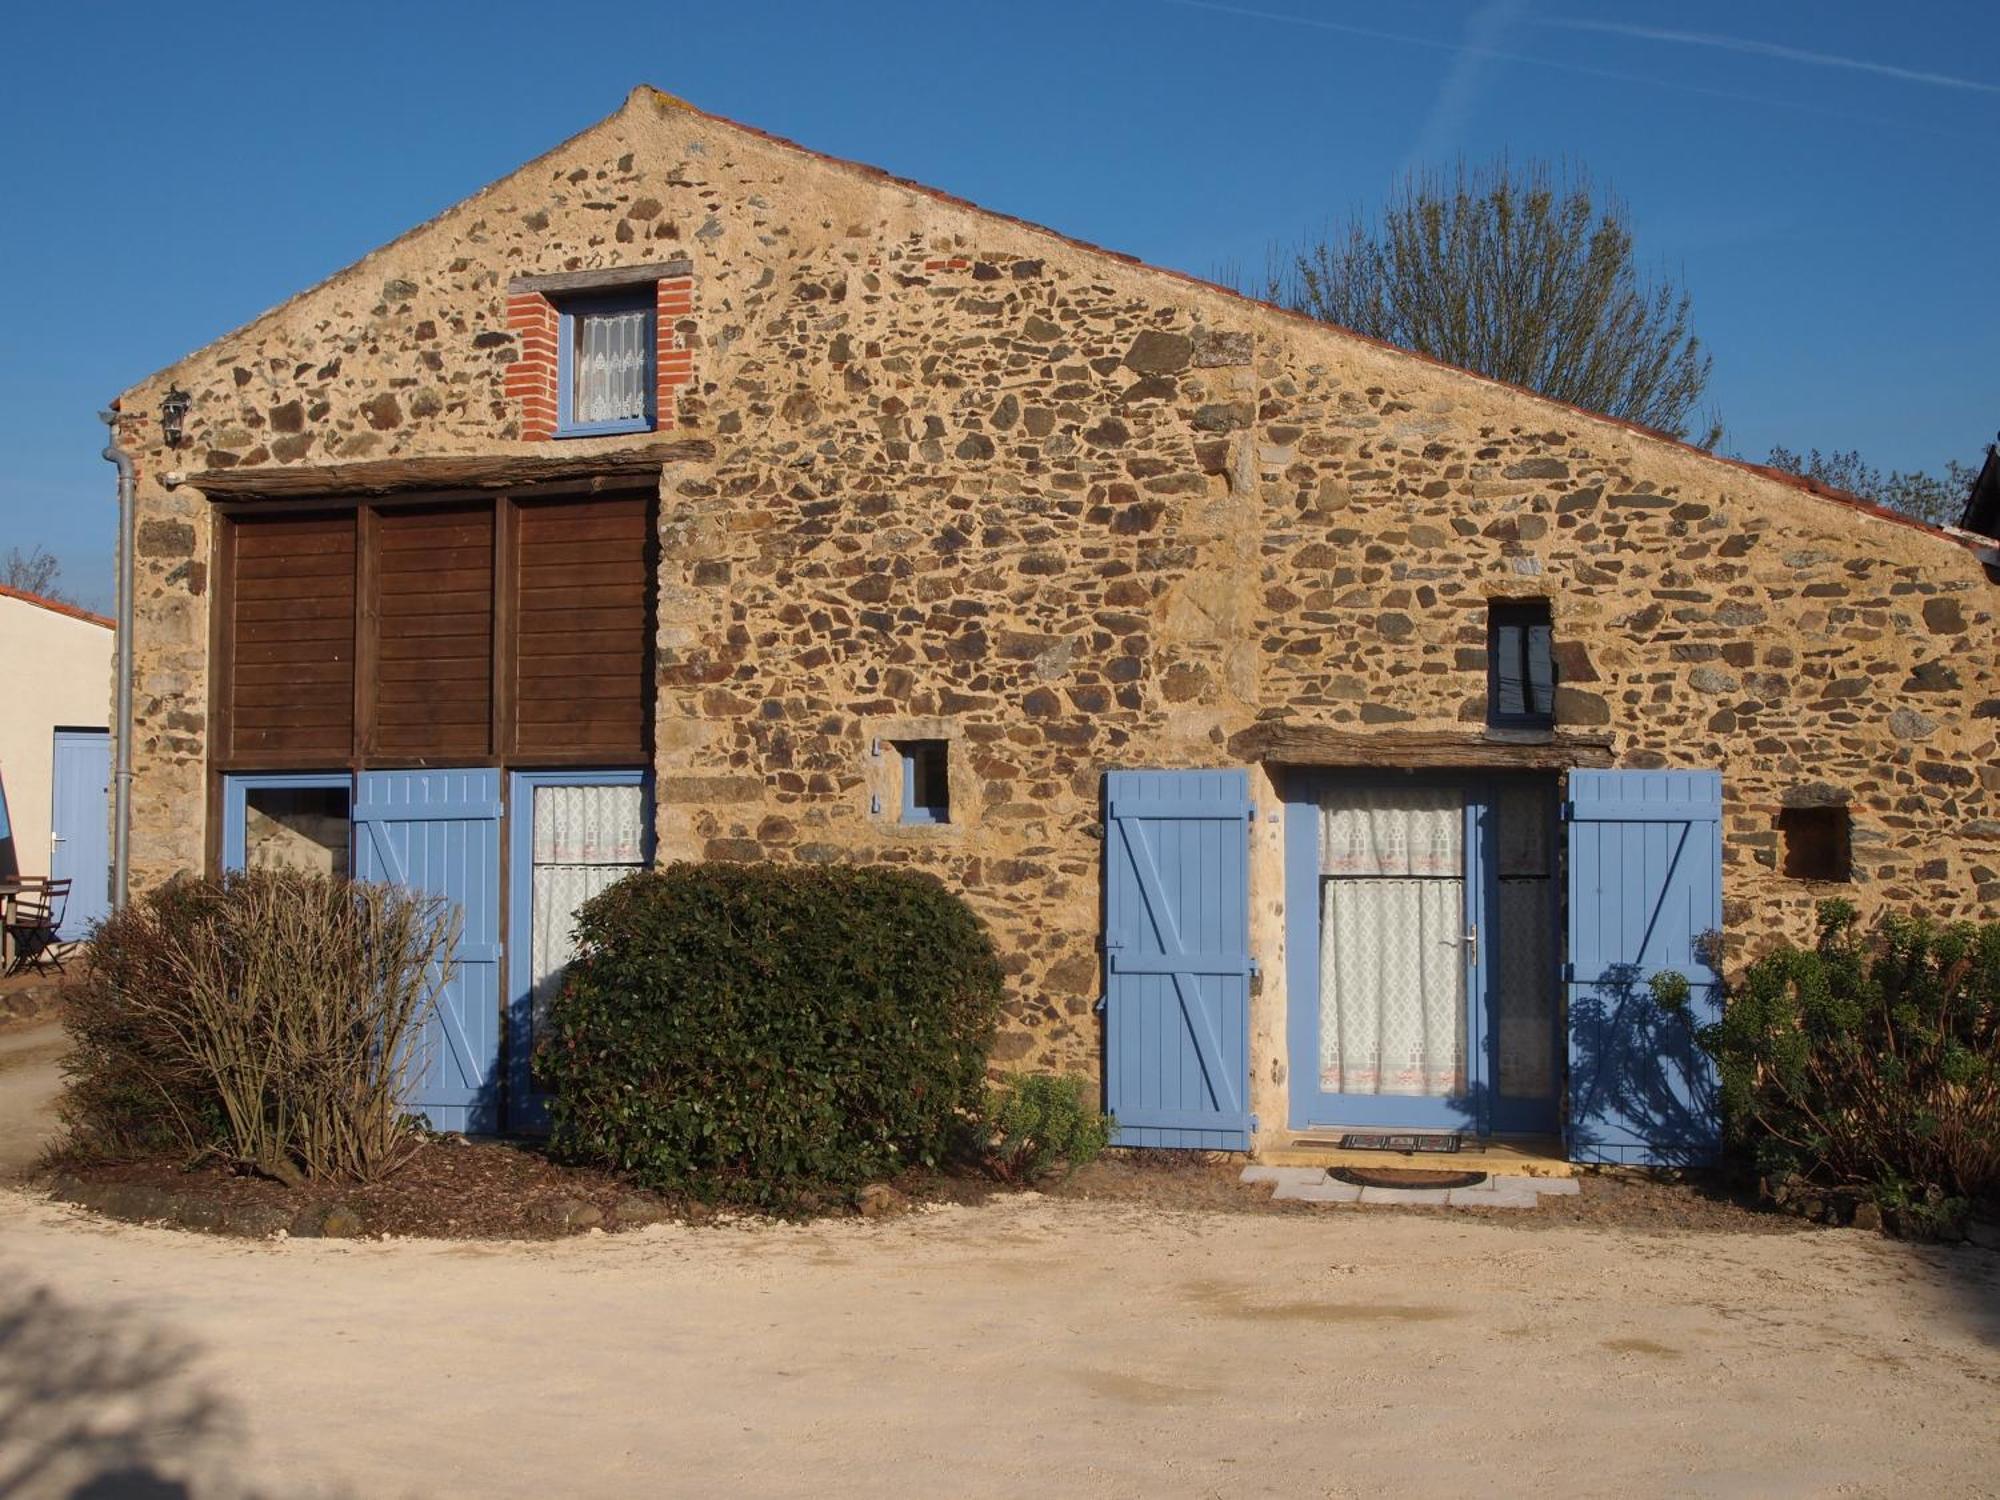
1868	1065
1040	1124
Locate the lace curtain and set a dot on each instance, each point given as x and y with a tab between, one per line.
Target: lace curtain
1392	967
610	358
586	838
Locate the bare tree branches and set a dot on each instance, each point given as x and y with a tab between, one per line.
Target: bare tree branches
34	572
1927	497
1526	276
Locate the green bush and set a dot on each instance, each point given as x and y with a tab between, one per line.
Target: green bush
767	1034
1039	1123
1869	1065
271	1018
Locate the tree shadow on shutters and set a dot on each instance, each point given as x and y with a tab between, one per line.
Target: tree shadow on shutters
1635	1061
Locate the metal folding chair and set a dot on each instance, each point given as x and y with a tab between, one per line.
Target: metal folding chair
34	927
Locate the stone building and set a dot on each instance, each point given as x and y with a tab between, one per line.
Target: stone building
690	495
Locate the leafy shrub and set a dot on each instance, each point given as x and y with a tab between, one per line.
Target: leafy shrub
765	1034
271	1018
1869	1065
1040	1122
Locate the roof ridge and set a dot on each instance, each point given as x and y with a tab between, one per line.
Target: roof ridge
660	98
59	606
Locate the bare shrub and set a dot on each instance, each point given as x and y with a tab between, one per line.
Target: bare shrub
273	1018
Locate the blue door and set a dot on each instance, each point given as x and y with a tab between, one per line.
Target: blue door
1645	894
1177	958
80	827
1384	900
439	832
1422	927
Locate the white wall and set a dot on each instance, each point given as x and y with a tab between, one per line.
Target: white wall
55	668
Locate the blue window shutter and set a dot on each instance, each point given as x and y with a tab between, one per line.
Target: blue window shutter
1177	958
1645	891
438	833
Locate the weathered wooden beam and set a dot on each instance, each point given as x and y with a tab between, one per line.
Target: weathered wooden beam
613	276
1282	742
391	476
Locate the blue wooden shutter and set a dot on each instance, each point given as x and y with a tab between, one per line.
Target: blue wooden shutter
439	832
1177	958
1645	890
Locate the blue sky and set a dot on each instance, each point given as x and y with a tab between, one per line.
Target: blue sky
1821	176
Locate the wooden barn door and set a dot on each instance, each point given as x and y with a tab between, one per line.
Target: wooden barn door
1177	958
438	832
1645	892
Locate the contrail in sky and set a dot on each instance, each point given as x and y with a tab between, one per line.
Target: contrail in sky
1768	49
1651	80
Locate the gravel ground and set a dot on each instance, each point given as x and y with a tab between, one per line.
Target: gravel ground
1027	1345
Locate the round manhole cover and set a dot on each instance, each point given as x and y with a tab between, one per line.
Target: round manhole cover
1406	1177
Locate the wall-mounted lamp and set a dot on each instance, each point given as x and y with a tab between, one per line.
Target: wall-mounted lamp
173	415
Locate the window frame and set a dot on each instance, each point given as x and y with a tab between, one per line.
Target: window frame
1524	616
933	813
619	300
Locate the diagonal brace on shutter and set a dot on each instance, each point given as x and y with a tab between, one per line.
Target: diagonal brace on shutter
1201	1026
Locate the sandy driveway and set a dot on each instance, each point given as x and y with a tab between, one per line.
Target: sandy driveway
1029	1347
29	1079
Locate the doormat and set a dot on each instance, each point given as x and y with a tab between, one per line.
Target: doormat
1356	1141
1405	1177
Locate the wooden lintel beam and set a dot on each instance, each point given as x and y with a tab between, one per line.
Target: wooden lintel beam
612	276
482	472
1282	742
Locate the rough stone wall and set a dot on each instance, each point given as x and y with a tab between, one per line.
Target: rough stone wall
974	482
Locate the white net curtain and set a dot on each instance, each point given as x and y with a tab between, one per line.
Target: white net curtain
1392	964
610	363
586	838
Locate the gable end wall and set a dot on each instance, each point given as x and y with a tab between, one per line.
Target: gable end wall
974	482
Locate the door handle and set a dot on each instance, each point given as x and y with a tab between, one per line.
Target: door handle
1471	941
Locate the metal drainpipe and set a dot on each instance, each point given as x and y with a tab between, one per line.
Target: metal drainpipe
121	777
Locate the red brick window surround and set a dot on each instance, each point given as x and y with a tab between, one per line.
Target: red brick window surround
534	316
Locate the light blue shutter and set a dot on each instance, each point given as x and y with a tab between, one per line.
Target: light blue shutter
1645	890
439	832
1177	958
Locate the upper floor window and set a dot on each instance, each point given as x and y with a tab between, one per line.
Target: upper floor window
605	351
1520	664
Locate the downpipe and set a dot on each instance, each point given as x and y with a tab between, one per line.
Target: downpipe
121	776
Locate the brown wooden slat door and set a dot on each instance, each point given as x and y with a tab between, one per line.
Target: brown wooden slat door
582	664
433	656
289	677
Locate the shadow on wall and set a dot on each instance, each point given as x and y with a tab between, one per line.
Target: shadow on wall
1641	1089
97	1406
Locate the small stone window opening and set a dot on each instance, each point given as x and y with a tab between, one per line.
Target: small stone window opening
926	781
1818	843
605	353
1520	664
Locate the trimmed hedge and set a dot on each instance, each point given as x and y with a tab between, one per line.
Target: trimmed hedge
768	1034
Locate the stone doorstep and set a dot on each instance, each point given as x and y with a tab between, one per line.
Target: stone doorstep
1440	1197
1313	1185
